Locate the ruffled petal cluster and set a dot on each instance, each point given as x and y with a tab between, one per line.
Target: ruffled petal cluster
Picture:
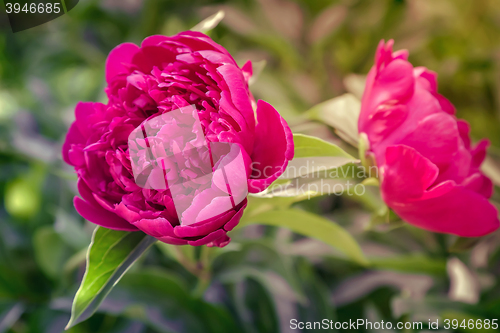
429	170
145	82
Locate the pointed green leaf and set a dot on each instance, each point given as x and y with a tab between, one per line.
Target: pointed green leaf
316	156
342	114
413	263
110	254
314	226
310	146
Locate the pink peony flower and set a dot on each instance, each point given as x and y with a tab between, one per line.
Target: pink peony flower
179	144
429	170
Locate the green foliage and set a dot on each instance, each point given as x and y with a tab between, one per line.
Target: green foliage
111	253
308	146
314	226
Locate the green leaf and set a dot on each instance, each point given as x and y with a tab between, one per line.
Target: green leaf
314	156
314	226
416	263
342	114
309	146
110	254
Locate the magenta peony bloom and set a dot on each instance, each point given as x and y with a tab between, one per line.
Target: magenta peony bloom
429	170
179	144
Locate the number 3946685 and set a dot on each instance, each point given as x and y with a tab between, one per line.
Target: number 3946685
33	8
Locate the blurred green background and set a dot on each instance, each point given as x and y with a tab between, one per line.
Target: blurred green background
266	276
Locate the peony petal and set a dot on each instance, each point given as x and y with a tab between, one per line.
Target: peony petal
458	211
406	174
459	167
100	216
172	240
82	113
479	153
479	183
209	238
204	227
158	227
197	41
220	242
394	85
74	137
421	105
150	56
119	60
247	70
240	95
273	147
384	120
436	138
464	130
126	213
154	40
446	105
236	218
447	208
427	78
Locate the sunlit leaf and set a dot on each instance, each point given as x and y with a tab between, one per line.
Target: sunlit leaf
316	157
309	146
342	114
314	226
416	263
110	255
